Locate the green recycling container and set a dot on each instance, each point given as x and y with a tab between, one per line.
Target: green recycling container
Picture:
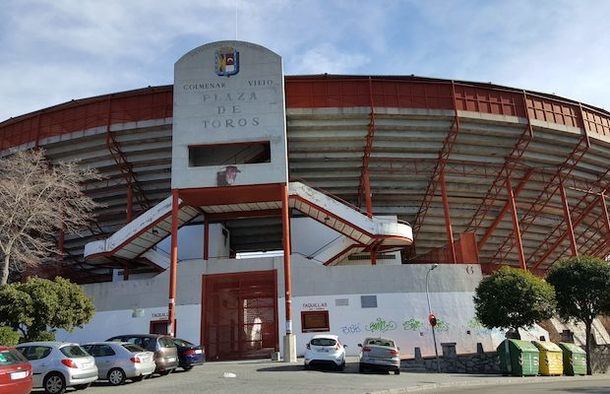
518	358
574	359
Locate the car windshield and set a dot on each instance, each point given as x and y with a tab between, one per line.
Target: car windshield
10	357
380	342
133	348
74	351
182	343
323	342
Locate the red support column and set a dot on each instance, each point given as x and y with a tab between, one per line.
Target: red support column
516	228
129	203
173	268
504	209
286	244
568	218
206	237
448	226
367	195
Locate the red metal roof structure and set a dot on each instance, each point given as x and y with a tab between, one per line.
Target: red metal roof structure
527	173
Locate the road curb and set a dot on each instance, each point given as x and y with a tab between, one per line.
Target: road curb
486	382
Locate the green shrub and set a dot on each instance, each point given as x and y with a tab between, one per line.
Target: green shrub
8	336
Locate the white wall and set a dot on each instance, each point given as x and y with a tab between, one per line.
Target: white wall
106	324
401	312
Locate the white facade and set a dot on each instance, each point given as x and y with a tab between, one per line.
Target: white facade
401	311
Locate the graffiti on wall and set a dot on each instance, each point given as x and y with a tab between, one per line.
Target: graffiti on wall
381	325
353	328
412	325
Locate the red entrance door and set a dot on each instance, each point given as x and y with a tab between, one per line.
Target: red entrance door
239	318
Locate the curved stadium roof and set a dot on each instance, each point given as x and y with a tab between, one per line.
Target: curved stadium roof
404	131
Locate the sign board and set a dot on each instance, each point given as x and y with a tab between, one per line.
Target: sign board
314	306
229	117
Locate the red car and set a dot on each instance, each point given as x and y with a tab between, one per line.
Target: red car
15	372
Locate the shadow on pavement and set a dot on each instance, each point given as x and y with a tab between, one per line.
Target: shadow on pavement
349	369
591	390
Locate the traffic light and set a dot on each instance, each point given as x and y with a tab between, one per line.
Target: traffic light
432	320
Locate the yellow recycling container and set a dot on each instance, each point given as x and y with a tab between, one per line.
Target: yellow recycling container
551	358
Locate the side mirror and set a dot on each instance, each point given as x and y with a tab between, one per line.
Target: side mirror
359	345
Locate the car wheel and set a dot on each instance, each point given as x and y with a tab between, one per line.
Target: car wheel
138	378
54	383
306	366
166	372
397	371
342	366
116	376
82	386
187	368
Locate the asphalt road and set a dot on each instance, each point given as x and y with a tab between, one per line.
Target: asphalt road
597	386
269	377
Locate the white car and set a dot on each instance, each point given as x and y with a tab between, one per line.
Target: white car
324	350
118	361
58	365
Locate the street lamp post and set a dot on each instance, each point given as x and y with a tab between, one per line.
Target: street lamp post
438	366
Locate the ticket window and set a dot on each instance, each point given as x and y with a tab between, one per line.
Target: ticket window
161	327
315	321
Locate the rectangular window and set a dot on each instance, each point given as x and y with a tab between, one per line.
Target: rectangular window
314	321
229	154
368	301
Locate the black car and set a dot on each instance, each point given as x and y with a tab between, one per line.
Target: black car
189	354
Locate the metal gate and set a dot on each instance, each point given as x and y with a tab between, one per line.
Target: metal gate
239	315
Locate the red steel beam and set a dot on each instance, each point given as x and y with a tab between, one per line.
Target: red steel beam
367	195
286	247
490	230
568	219
364	186
439	167
516	227
173	266
124	166
577	209
448	225
545	196
511	162
606	217
558	242
262	213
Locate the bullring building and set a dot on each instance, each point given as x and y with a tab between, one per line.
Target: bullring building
247	210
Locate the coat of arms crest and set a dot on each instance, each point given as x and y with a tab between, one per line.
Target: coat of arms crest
227	61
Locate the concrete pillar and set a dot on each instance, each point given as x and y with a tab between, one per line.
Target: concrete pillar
290	343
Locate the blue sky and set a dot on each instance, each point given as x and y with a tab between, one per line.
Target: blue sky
55	51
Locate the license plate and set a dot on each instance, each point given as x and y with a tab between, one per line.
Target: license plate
198	351
171	359
324	350
18	375
87	365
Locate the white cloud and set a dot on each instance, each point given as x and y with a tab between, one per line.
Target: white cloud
53	51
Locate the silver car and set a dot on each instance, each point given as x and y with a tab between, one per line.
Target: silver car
379	354
57	365
118	361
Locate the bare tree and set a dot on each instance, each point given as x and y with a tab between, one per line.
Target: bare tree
38	200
